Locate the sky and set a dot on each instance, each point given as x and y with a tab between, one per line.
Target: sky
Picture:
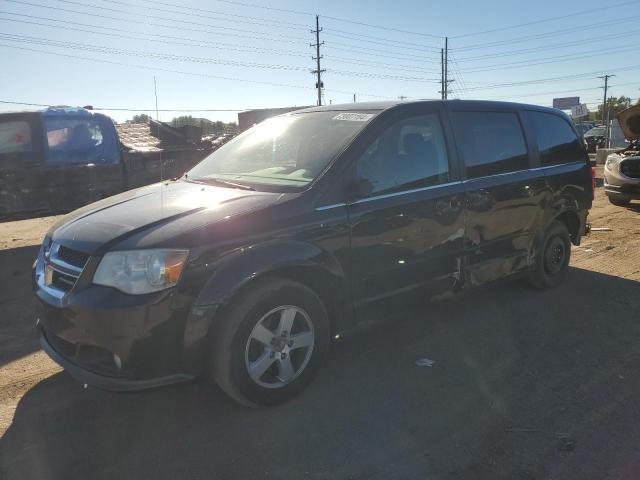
233	55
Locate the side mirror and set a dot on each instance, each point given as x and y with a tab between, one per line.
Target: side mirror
359	188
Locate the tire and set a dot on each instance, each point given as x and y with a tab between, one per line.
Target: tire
552	260
619	201
256	359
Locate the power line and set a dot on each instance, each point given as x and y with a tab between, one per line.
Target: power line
547	60
553	46
458	74
548	19
302	26
430	47
573	90
553	79
284	38
118	109
182	58
138	53
390	29
365	63
122	33
384	43
256	5
553	33
311	14
259	36
155	3
160	38
195	74
377	53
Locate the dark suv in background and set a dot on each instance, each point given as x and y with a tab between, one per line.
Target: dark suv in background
302	226
595	138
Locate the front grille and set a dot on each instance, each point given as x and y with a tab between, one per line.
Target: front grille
72	257
62	281
630	167
62	268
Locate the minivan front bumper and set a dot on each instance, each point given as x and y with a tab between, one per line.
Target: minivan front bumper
112	340
105	382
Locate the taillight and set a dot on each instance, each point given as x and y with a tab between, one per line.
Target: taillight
593	183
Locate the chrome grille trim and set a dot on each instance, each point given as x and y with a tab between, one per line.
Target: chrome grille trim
56	261
55	276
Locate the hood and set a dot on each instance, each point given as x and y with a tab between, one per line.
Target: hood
99	225
630	122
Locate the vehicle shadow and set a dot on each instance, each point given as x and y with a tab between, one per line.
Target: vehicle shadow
524	384
17	336
635	207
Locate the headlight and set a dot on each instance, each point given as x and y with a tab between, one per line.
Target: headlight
612	161
140	271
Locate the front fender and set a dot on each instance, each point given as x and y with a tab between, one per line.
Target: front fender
237	268
240	266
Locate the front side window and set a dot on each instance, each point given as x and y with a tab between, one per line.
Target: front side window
409	154
557	143
78	141
491	142
282	153
15	136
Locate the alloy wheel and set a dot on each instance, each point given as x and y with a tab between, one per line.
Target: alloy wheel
279	346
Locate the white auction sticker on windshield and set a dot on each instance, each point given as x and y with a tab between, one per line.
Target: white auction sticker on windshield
354	117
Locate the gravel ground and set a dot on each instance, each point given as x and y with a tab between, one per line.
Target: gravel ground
524	385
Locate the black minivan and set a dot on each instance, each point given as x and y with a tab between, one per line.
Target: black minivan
245	268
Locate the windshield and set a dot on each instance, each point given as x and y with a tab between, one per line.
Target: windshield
285	152
595	132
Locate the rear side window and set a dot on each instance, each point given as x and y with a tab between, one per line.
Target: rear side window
15	137
556	140
491	142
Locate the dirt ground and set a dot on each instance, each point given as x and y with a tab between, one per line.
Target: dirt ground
524	385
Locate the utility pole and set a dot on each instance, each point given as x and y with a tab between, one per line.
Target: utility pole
442	73
446	67
605	109
318	71
354	98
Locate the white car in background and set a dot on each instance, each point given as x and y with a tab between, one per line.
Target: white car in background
622	169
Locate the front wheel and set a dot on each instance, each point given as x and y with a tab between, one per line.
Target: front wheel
270	342
552	261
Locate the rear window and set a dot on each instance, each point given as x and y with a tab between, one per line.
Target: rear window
491	142
78	141
15	137
557	142
595	132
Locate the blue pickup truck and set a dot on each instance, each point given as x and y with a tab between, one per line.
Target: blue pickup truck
61	158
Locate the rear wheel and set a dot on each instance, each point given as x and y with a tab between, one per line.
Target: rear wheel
619	201
270	342
553	258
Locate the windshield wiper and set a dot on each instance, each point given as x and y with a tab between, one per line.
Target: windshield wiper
222	183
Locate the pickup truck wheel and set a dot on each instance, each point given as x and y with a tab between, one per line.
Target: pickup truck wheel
619	201
270	342
552	260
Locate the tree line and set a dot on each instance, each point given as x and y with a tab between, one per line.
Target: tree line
209	127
